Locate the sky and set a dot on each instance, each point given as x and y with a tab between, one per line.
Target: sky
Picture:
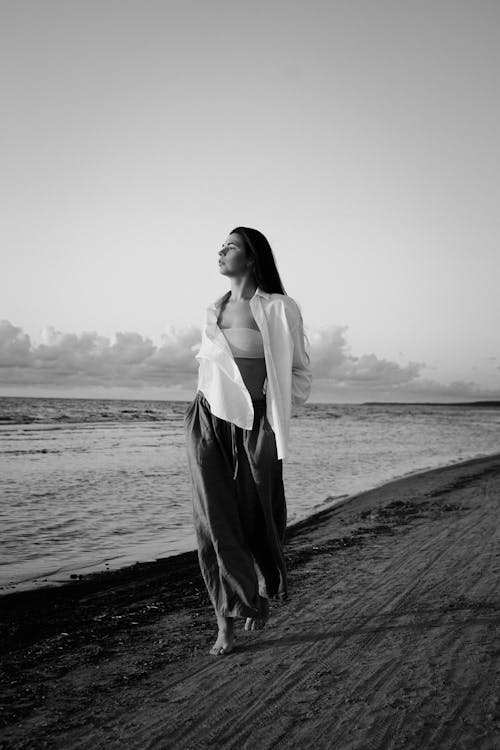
362	138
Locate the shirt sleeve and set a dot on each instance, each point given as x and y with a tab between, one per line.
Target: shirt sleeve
301	364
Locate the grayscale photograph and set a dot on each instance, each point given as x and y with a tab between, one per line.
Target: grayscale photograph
250	375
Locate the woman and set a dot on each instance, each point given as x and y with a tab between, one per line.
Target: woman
253	366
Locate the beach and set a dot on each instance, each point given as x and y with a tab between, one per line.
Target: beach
390	638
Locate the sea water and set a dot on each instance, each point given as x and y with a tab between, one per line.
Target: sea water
95	484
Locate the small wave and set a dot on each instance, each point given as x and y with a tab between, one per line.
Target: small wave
29	452
17	419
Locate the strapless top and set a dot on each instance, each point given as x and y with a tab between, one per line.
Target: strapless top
244	342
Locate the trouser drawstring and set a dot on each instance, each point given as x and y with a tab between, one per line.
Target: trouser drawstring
234	448
234	444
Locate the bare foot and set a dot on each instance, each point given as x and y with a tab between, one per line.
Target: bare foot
258	623
225	637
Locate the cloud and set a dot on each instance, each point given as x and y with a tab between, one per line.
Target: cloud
331	359
15	346
88	358
337	370
132	360
459	389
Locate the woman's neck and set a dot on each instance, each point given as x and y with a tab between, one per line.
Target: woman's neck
242	289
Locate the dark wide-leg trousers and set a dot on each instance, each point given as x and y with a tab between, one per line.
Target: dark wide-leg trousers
239	508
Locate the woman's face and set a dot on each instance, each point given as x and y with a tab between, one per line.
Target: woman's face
232	257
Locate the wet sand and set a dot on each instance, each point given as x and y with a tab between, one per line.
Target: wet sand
390	638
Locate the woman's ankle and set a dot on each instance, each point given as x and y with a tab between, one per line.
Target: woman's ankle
225	623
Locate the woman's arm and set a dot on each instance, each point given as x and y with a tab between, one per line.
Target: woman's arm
301	365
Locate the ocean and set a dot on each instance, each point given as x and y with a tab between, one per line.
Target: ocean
97	484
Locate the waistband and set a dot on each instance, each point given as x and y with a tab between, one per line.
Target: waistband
259	405
257	402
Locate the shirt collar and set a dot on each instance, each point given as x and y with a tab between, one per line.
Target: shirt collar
258	293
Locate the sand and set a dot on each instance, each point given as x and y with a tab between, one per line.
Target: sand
390	638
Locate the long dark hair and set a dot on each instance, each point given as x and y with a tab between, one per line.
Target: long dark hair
258	248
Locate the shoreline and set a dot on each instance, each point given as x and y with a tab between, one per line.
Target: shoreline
96	575
391	631
180	569
400	477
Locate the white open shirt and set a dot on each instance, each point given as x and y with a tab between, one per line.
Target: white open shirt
289	375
